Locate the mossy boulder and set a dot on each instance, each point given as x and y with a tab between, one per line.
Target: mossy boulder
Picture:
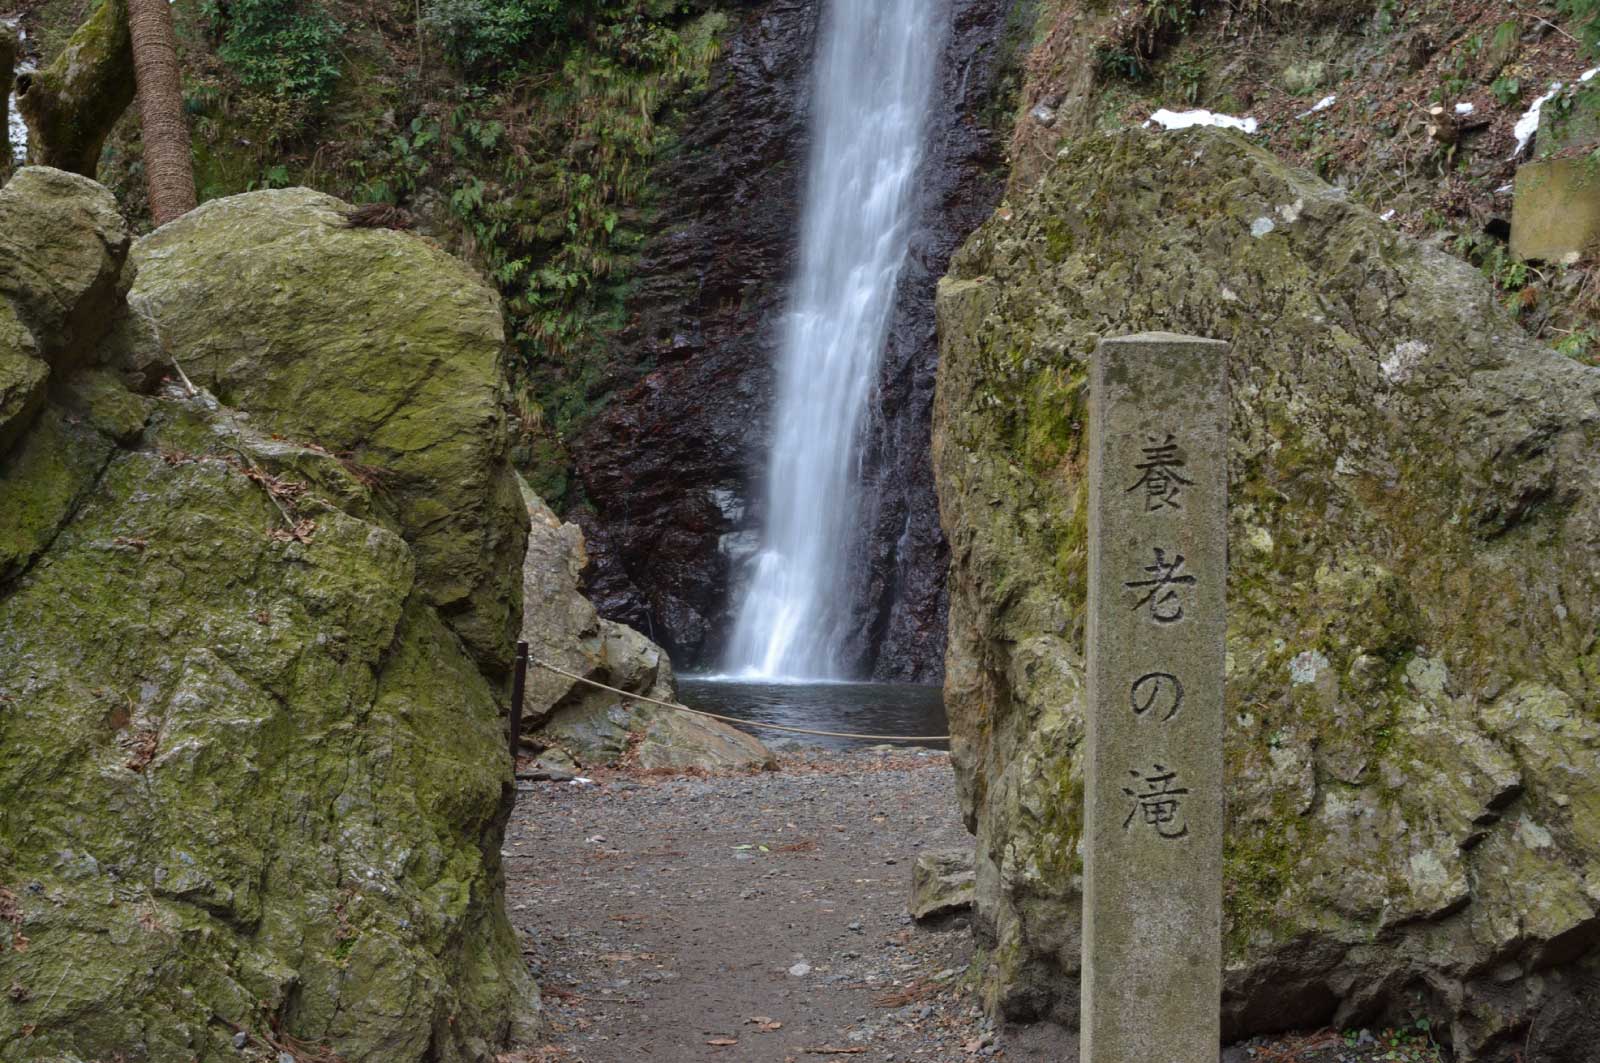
72	105
251	780
22	377
592	725
62	249
374	345
1413	665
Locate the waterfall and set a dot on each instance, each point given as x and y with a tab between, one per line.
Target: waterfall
874	78
17	128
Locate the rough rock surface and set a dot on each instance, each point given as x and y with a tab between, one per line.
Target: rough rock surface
942	883
349	345
62	250
251	779
596	726
674	466
1413	792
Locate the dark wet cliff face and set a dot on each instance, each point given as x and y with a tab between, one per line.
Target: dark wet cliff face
672	470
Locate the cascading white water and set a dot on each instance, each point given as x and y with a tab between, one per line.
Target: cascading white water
874	78
18	129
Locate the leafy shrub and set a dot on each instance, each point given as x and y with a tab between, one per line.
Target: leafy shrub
285	48
547	159
1585	14
489	36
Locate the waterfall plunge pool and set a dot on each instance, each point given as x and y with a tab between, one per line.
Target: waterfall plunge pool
859	708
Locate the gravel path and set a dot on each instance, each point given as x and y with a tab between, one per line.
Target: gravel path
762	918
749	917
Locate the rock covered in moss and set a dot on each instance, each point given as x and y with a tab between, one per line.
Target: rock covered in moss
250	780
62	249
600	726
72	105
372	344
22	377
1413	598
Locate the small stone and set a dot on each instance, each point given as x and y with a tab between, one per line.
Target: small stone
241	1039
800	970
942	883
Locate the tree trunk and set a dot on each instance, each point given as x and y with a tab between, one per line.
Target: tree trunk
72	104
168	168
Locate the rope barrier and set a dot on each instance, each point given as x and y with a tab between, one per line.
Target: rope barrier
735	719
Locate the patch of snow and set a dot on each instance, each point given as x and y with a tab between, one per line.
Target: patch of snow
1528	124
1466	108
1402	360
1321	105
1187	119
1262	226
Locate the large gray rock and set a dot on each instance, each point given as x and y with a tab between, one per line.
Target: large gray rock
250	777
1414	740
62	249
351	341
22	377
599	726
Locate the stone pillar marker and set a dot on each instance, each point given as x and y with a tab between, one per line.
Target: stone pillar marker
1153	795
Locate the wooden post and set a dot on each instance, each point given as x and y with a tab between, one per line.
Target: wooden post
1158	536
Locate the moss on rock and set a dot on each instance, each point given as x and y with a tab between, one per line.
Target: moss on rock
1415	532
250	776
373	344
22	377
72	104
62	249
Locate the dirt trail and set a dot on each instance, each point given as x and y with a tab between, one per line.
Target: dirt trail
668	915
762	919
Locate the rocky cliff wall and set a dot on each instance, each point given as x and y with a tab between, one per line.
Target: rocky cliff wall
253	636
672	469
1414	738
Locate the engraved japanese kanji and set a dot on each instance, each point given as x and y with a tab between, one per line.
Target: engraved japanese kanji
1158	802
1160	479
1163	591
